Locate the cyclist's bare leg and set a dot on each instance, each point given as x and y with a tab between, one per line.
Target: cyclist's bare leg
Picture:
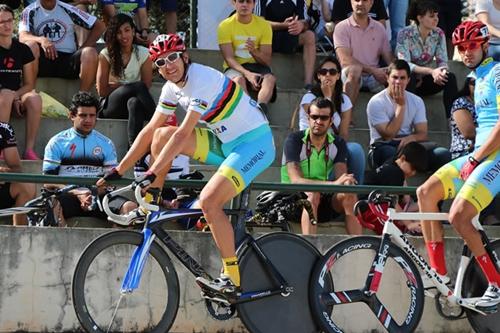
307	228
21	193
429	194
218	191
160	139
461	214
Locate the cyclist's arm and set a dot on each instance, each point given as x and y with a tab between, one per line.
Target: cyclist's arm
176	143
142	143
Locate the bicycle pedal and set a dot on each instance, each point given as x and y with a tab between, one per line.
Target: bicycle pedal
215	298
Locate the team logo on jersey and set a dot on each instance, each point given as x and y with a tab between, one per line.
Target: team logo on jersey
9	62
97	151
220	130
54	30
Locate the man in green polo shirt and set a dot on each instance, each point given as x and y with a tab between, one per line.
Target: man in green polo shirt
317	156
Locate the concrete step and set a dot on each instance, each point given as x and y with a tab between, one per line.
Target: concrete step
117	131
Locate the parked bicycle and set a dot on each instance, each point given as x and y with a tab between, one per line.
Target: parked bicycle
125	281
398	301
40	210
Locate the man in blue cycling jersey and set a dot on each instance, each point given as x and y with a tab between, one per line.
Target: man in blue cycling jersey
473	180
238	139
82	151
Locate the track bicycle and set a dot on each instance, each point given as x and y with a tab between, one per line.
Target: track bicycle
275	271
357	266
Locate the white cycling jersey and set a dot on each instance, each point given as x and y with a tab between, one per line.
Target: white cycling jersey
223	105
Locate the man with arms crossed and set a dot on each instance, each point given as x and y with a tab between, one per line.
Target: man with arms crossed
316	156
473	180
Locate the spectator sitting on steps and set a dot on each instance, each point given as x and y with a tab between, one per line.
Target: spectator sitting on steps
13	194
245	41
317	156
48	28
17	82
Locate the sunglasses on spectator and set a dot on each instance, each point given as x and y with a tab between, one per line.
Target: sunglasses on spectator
468	46
315	117
331	71
170	59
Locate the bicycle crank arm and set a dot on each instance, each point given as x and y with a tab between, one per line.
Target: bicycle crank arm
470	303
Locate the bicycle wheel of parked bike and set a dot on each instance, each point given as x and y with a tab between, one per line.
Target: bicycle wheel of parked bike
294	258
474	285
398	304
98	303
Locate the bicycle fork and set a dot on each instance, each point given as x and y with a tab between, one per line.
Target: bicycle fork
137	262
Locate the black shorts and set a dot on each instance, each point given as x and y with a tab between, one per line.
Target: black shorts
283	42
66	65
6	201
260	69
71	206
326	212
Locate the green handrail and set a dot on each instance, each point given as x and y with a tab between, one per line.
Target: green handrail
360	189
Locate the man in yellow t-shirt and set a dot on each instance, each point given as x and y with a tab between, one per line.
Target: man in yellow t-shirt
245	41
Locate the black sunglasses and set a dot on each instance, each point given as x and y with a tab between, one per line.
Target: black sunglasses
320	117
331	71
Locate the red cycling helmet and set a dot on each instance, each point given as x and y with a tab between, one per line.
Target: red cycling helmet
165	44
470	31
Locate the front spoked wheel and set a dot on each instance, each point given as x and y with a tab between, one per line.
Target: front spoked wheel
475	285
398	304
294	258
98	302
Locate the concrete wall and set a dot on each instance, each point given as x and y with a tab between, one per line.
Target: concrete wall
36	267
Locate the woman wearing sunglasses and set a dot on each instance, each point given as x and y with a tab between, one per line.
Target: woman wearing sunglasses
423	46
328	84
238	139
124	76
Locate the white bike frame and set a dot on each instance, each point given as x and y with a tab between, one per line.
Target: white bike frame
397	237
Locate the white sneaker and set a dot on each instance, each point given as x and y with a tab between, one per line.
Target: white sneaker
429	283
491	297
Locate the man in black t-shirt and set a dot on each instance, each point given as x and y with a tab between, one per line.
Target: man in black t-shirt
13	194
290	25
342	9
17	82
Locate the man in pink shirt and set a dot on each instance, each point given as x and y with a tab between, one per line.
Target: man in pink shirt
360	41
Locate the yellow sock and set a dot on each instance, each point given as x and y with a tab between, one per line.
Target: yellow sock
231	269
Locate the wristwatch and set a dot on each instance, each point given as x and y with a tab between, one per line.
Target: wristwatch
473	161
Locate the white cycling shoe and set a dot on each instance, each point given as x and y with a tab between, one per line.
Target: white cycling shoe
490	299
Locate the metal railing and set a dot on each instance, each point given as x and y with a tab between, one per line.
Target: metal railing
358	189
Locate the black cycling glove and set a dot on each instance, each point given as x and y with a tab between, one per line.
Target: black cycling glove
145	180
111	175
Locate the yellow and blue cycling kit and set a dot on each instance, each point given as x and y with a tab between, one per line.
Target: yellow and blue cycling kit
484	182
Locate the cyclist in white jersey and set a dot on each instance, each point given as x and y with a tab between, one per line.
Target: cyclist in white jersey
473	180
238	139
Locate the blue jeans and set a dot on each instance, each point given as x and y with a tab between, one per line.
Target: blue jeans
397	15
356	161
494	51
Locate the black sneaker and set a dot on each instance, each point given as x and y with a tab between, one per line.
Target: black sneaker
221	286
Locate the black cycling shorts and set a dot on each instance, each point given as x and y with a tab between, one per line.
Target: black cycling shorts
71	206
6	200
